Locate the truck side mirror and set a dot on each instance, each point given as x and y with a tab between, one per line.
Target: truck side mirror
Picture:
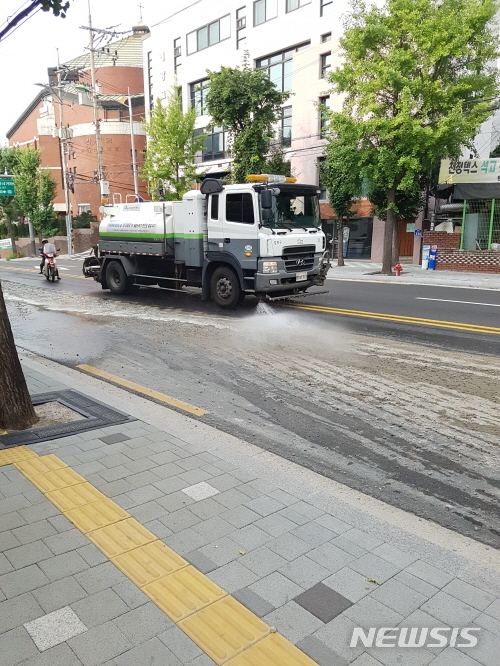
266	199
267	214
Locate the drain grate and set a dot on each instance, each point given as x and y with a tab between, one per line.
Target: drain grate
97	415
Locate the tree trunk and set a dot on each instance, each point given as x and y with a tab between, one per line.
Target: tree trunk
11	233
16	408
340	242
395	243
388	233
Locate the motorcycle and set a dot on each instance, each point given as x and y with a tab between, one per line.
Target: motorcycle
50	267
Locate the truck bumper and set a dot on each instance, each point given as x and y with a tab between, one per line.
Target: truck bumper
283	280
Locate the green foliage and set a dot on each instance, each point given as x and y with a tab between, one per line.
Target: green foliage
341	172
495	152
408	202
418	78
35	190
246	102
57	7
171	148
276	161
14	256
83	220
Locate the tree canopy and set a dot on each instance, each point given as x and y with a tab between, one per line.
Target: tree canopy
35	190
418	78
247	104
172	145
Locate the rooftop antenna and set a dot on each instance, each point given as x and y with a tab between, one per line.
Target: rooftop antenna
141	7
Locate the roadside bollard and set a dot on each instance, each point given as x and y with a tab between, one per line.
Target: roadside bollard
398	268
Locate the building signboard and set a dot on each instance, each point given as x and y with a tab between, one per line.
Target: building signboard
5	243
469	171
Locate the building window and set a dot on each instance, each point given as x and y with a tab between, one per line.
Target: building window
213	149
177	53
279	67
199	90
286	127
295	4
214	207
326	7
324	108
239	208
264	10
241	24
83	208
208	35
150	80
323	192
326	64
326	37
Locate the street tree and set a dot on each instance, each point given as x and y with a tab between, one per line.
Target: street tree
341	173
247	104
16	408
35	190
172	145
418	78
8	205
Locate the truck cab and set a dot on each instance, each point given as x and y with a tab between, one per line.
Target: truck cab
271	228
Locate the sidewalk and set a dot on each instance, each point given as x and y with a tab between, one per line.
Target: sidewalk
366	271
309	558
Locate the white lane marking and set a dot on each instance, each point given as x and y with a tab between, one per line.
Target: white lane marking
445	300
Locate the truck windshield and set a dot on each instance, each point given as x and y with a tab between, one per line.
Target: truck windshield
294	211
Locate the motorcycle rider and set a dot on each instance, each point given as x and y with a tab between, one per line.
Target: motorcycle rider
47	248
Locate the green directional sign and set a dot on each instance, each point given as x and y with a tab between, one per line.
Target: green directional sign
6	187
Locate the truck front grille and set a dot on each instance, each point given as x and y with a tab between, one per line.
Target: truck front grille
298	258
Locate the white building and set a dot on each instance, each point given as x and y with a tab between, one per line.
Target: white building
296	41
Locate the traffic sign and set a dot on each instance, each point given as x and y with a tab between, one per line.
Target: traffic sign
7	187
418	232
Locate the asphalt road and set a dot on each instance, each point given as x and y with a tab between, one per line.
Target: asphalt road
372	384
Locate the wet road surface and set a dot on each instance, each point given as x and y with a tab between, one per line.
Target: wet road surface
406	412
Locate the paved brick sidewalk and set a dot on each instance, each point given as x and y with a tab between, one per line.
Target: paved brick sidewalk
310	557
366	271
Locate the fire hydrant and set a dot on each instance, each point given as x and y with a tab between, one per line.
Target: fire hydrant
398	268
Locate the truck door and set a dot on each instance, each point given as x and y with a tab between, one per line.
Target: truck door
240	227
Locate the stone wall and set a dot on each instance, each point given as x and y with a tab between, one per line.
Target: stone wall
442	239
83	239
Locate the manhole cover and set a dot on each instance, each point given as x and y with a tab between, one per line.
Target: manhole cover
96	415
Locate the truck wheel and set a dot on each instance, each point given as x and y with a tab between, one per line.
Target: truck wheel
225	287
116	278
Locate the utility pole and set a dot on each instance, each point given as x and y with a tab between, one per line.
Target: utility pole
132	143
100	170
62	146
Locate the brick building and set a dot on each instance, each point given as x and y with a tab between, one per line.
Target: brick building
118	69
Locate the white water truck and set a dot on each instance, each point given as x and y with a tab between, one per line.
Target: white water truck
262	237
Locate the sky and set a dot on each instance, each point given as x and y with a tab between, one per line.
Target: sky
27	52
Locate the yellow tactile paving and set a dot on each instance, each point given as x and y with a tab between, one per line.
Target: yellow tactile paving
224	629
73	496
121	537
58	478
272	651
183	593
89	517
15	455
40	465
148	563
